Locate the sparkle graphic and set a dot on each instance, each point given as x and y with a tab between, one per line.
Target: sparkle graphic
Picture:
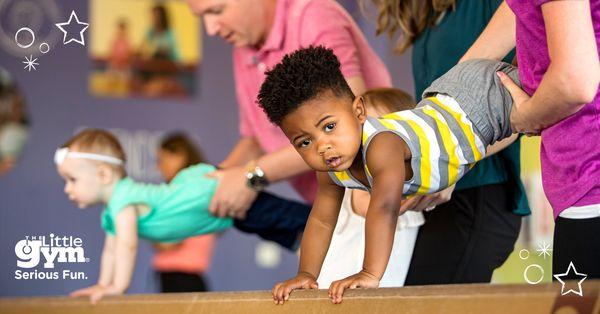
579	291
544	249
81	27
30	63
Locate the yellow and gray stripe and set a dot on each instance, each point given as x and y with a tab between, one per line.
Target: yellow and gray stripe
442	141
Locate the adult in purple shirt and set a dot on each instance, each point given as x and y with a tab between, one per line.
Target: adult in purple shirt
559	67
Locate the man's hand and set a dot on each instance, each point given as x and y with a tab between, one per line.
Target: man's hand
281	291
361	280
232	197
427	202
96	292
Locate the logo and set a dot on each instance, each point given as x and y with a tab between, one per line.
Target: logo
46	252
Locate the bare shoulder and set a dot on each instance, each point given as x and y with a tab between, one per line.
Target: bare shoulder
386	150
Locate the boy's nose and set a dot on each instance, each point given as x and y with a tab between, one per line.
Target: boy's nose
323	148
211	24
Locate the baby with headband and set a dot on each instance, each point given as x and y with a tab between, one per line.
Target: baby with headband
92	165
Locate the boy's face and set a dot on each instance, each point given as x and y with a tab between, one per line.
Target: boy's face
83	185
326	131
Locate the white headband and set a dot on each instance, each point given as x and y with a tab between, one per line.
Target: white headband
61	154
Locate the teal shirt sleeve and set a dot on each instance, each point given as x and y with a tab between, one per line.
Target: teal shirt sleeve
117	202
437	50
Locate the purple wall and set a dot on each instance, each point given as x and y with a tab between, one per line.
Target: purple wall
31	199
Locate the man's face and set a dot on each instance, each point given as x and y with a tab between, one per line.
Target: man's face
326	131
240	22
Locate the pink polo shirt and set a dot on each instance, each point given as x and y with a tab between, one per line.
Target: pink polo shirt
299	24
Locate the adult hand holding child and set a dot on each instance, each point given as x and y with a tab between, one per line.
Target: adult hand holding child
520	121
233	197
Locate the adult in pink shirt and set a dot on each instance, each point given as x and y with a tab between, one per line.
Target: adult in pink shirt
263	31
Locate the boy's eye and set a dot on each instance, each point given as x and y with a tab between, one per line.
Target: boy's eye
304	143
329	127
216	11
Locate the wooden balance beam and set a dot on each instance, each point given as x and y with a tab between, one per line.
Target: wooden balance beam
463	299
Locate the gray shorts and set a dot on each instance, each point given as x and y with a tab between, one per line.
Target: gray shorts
479	92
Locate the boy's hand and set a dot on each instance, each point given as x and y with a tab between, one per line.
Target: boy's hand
95	293
361	280
281	291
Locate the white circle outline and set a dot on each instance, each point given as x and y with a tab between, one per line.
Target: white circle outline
527	278
46	49
17	35
520	254
27	246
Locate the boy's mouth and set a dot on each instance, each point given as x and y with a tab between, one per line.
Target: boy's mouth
333	162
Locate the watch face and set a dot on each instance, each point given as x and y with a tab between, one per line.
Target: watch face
257	182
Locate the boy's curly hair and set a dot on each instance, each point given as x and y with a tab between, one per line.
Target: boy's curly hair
301	76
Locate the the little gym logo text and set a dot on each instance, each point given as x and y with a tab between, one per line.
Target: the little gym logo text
37	256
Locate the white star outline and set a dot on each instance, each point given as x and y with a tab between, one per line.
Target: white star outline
60	26
544	249
30	63
562	290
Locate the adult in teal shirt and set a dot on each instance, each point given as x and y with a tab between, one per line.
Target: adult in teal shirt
466	238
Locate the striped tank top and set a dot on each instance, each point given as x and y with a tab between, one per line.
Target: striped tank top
443	142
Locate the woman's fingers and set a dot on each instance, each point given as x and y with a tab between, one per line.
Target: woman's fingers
409	204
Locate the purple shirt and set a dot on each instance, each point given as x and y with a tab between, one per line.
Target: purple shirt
570	152
299	24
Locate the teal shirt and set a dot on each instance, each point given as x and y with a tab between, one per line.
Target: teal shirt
437	50
178	210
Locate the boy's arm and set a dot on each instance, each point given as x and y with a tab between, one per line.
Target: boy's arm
107	267
320	225
315	241
382	216
125	249
107	263
498	37
118	259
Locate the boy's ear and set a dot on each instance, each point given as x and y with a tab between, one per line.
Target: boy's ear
105	173
359	109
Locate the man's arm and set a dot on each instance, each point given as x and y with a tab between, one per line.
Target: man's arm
246	149
498	37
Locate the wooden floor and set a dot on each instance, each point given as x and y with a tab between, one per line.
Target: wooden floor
530	299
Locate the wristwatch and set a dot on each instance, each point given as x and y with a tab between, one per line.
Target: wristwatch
255	176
